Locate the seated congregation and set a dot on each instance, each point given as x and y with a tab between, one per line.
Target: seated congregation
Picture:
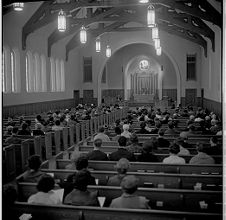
172	138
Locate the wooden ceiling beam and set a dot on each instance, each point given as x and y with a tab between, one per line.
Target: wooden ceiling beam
93	33
40	18
56	36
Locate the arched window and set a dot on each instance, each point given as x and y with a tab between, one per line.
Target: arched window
3	72
62	71
29	72
37	73
53	74
58	76
43	74
12	65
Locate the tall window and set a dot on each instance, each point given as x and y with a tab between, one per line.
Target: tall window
43	74
57	75
87	69
191	67
3	72
12	63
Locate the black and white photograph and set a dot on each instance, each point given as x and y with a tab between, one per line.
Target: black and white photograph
113	109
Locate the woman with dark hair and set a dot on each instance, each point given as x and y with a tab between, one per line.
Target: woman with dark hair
80	195
147	154
33	174
45	194
174	158
118	132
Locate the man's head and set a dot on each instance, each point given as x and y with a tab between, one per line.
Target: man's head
81	163
101	130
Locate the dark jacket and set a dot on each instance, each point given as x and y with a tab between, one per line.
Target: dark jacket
121	153
97	155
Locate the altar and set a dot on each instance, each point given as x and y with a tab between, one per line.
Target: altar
144	98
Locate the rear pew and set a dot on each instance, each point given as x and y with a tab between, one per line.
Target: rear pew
66	212
206	169
156	180
164	199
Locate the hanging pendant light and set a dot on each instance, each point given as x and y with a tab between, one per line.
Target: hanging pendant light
143	1
155	33
108	51
159	51
18	6
83	35
98	46
61	21
151	16
157	43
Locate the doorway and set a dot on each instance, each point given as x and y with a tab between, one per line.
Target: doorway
190	97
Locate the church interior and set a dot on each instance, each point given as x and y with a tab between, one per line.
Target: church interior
76	71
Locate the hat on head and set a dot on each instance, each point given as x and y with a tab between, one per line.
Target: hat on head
129	182
123	163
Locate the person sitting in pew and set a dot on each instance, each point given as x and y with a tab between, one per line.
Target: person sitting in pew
118	133
45	194
191	131
134	147
147	154
33	174
162	142
171	130
81	165
183	151
24	130
143	129
122	151
57	126
121	167
80	196
13	139
174	158
126	133
96	153
101	135
215	147
38	130
8	130
129	199
202	157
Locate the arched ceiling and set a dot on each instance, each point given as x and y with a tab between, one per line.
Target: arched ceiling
184	18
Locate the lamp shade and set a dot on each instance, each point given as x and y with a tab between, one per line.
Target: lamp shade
61	21
108	51
159	51
151	16
155	33
83	35
18	6
157	43
143	1
98	46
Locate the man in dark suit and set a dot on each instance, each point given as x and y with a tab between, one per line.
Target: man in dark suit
96	153
162	142
121	152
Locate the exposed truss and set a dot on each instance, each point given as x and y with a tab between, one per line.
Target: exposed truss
183	18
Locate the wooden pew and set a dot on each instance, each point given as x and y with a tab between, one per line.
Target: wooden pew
66	212
164	199
214	169
158	180
163	150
